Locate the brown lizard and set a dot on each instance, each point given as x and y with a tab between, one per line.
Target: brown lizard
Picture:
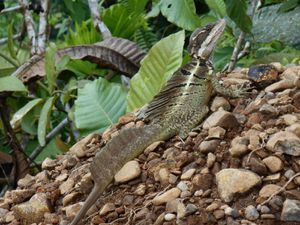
179	107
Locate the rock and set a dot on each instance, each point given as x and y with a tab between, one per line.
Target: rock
181	210
128	172
273	177
108	207
26	181
213	206
239	146
231	182
167	196
211	158
160	219
79	149
33	211
219	102
280	85
295	128
231	212
202	181
209	146
268	190
188	174
289	173
291	210
86	183
215	132
70	198
221	118
66	186
61	177
285	142
51	218
142	214
289	119
273	163
140	190
268	110
170	216
18	196
265	209
219	214
171	206
73	210
251	213
3	213
191	209
48	164
256	165
152	147
163	176
185	194
182	186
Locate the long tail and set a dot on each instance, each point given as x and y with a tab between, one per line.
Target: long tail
127	145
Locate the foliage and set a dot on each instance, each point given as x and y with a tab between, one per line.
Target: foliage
83	92
163	59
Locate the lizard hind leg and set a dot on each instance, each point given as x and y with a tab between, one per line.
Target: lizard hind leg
195	120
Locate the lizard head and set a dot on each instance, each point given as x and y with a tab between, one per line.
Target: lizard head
203	40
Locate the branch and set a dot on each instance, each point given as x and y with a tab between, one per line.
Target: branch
240	40
4	40
98	23
11	9
29	25
49	136
19	157
43	25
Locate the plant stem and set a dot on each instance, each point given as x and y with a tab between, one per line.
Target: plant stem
8	60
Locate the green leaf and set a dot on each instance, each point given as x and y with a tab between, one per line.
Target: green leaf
17	117
50	67
44	120
137	6
10	41
288	5
237	11
10	83
182	13
218	6
121	22
163	59
99	105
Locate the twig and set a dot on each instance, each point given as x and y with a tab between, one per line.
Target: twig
49	136
240	40
11	9
29	25
4	40
43	25
98	23
236	51
281	189
8	60
19	157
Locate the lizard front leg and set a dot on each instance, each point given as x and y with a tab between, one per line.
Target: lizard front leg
194	120
233	93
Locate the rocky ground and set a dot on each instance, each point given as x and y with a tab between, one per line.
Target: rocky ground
240	166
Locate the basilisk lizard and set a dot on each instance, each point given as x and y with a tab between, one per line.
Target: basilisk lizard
179	107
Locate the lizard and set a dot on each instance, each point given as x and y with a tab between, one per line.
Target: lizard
179	107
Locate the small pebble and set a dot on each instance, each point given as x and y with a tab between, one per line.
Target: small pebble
251	213
170	216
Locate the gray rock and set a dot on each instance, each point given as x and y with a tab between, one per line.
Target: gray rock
291	210
167	196
233	212
191	209
209	146
170	216
182	186
231	182
251	213
285	142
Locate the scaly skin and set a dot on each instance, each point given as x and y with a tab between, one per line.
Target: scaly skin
180	106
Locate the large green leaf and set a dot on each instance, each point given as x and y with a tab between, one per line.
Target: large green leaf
181	12
17	117
44	120
237	11
163	59
11	83
99	105
50	67
121	22
217	6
